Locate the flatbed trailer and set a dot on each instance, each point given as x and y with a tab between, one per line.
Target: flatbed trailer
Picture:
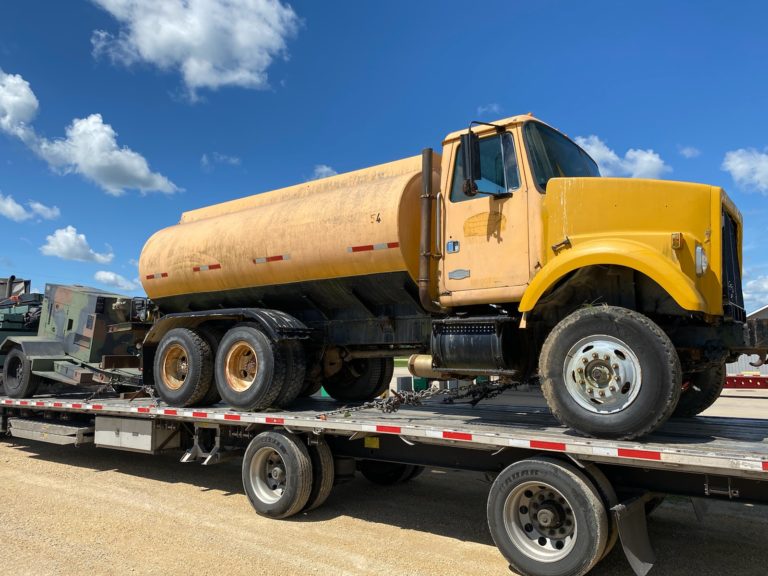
559	501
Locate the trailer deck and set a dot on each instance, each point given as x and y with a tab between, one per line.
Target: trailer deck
716	445
706	457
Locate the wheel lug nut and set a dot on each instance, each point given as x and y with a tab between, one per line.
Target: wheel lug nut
580	370
602	392
583	360
594	355
617	378
590	391
612	388
615	366
606	357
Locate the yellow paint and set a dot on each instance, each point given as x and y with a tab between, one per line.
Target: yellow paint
485	224
371	442
628	222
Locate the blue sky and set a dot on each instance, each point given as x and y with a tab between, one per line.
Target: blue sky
117	115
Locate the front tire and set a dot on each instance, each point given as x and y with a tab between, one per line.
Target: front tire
547	518
702	390
610	372
18	379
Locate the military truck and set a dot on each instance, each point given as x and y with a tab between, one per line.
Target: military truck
85	337
506	257
19	310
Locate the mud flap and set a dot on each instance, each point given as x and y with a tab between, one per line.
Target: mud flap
633	531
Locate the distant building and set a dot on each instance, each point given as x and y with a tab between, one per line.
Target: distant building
742	366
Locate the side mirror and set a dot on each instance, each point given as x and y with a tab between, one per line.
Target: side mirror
470	161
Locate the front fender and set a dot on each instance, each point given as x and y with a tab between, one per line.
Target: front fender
628	253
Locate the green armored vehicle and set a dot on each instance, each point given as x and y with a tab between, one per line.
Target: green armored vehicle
85	336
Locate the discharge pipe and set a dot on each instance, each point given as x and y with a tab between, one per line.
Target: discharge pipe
425	252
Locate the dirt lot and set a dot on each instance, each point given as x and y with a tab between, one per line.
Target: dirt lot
90	511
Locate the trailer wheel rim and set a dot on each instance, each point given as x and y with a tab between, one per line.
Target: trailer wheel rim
175	366
540	522
268	475
602	374
242	366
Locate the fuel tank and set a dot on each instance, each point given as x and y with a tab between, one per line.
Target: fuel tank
237	253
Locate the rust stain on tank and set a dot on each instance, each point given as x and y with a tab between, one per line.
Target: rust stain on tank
485	224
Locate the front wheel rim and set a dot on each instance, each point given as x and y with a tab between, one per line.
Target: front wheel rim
540	521
268	475
602	374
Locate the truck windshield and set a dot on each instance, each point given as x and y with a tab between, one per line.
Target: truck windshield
555	156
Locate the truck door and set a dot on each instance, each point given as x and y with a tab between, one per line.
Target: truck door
485	239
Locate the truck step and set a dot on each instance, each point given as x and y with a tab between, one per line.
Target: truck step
51	432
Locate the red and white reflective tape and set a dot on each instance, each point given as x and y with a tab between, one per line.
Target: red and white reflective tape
157	276
206	267
368	247
268	259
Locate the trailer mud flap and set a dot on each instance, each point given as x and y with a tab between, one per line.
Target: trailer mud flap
633	531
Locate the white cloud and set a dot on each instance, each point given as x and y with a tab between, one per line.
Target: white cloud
756	293
689	152
322	171
18	105
748	167
113	279
491	108
635	163
45	212
90	147
208	160
67	244
212	43
16	212
12	209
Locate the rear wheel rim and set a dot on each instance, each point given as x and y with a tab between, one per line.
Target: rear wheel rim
175	366
242	366
602	374
540	521
268	475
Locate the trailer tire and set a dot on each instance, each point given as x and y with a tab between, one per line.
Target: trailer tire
183	368
385	473
415	473
277	474
296	368
359	380
703	389
323	474
250	370
610	372
18	379
610	499
567	534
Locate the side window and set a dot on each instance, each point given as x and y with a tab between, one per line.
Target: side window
498	169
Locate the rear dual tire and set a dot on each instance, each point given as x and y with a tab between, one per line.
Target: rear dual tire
361	379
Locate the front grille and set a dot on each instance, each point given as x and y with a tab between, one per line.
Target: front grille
733	299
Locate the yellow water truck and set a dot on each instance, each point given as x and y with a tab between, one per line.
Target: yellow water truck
506	257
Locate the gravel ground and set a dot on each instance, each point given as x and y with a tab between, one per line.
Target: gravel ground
67	510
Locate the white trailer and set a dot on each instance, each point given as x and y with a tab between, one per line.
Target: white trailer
557	506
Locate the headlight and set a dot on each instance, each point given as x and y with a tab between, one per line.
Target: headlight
702	262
